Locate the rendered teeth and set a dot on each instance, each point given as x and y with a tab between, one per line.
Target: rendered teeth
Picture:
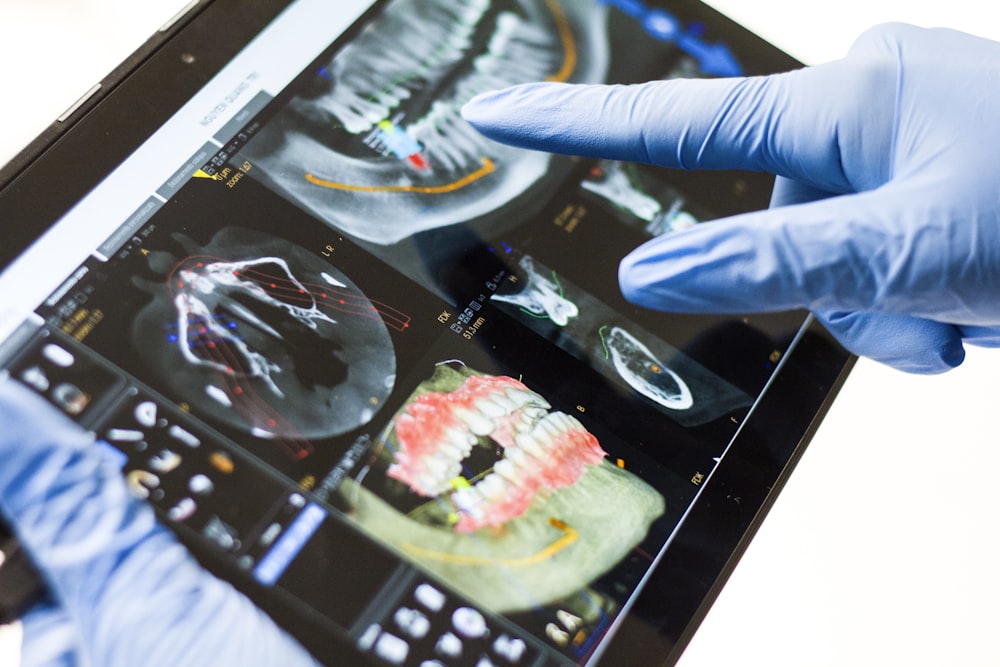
556	424
547	428
534	400
460	440
490	408
492	487
442	468
534	413
448	449
477	423
508	405
571	423
507	470
433	486
529	444
517	457
519	397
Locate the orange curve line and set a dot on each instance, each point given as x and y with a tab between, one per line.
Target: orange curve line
569	43
487	169
551	550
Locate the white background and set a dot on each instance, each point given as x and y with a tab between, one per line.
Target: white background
883	549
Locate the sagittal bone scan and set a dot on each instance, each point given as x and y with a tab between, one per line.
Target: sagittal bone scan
265	336
620	350
377	147
484	484
637	199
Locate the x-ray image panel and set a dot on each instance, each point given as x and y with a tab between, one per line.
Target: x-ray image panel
375	144
262	335
619	349
639	200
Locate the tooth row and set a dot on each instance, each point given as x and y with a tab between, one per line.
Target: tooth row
509	59
515	469
450	143
529	443
518	52
477	423
436	471
527	398
375	74
492	487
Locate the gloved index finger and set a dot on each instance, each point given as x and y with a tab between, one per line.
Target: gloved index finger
788	124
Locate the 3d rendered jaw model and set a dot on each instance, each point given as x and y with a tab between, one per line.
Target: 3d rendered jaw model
262	335
509	501
377	147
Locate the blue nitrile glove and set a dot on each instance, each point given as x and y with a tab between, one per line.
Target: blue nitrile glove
885	219
124	591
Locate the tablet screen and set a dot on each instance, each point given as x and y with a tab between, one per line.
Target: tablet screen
375	368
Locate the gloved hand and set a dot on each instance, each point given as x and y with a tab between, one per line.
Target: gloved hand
124	591
885	219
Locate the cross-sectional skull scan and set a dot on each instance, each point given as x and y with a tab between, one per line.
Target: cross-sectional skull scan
265	336
377	147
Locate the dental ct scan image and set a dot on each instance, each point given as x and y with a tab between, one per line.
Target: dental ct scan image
375	369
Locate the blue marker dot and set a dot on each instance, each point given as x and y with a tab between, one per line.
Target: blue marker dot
661	25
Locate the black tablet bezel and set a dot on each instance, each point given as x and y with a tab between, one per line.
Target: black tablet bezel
135	100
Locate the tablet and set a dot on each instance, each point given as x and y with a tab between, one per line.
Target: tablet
374	369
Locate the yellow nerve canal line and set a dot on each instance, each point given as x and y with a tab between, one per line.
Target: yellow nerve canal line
487	169
570	536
